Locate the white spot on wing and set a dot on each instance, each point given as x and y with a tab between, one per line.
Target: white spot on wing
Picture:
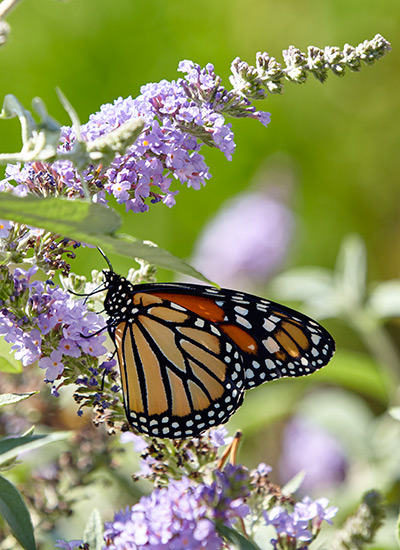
242	321
269	325
271	345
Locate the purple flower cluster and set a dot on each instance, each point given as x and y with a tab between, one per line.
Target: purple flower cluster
176	517
303	522
43	323
180	116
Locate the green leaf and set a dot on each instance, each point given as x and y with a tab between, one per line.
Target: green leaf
57	215
11	447
93	534
128	246
7	361
268	404
89	223
12	398
236	538
14	511
384	299
294	484
395	413
397	533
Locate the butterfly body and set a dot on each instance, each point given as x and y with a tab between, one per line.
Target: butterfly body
187	352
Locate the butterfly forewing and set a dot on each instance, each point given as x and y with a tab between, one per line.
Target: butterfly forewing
187	352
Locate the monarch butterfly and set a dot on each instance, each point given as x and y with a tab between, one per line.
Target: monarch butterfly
187	353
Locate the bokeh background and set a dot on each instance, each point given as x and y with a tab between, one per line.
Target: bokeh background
328	163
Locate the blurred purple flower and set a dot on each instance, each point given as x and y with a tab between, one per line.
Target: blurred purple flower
246	242
139	443
307	447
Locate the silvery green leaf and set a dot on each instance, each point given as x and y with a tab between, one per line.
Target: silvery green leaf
351	269
11	447
73	115
310	285
12	398
303	283
93	534
294	484
39	141
384	299
395	413
12	107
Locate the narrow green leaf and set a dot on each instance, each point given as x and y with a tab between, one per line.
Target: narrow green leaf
15	512
395	413
89	223
294	484
384	299
93	534
12	398
59	215
7	361
236	538
12	107
351	269
128	246
11	447
397	532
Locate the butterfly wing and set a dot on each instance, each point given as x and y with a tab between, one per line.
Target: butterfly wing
188	352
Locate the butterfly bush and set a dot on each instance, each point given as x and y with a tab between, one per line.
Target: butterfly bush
180	117
197	503
194	512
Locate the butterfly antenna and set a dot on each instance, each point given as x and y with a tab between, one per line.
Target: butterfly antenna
106	259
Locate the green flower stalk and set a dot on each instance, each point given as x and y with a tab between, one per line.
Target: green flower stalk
360	528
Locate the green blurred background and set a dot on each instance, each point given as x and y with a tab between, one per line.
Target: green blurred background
341	136
342	139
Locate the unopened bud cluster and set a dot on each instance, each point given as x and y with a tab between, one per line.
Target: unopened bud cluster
268	75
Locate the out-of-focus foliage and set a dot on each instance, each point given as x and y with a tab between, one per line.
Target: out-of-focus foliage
340	135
